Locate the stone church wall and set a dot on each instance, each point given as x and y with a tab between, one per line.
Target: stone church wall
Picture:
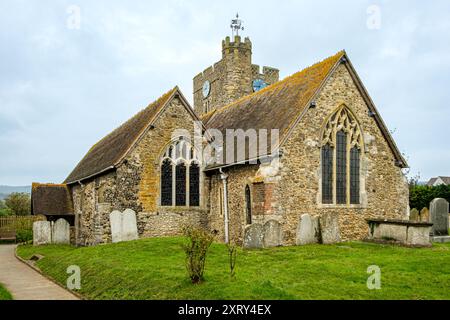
135	185
386	190
264	204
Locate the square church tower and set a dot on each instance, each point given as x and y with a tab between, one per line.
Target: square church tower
231	78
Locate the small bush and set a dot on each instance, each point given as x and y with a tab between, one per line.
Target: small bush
196	247
24	235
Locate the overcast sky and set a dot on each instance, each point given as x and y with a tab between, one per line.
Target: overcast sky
66	82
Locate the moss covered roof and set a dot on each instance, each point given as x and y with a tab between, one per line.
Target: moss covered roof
108	151
51	199
276	106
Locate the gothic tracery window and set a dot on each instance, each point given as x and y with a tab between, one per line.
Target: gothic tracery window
341	156
180	176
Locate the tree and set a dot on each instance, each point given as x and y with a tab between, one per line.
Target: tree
19	203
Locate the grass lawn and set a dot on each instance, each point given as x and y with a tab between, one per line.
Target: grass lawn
154	269
4	294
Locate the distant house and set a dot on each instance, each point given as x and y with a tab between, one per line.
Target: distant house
438	181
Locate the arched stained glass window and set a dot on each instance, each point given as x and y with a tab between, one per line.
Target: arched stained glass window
194	185
341	167
166	183
327	174
341	157
354	175
180	162
180	185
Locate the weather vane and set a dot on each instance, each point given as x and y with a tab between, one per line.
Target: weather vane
236	25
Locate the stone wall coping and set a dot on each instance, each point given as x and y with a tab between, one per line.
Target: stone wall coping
400	222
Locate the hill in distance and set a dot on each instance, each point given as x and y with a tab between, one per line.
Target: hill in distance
7	190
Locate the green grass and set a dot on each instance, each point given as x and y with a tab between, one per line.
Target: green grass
4	294
154	269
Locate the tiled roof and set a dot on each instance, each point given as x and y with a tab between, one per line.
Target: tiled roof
108	151
275	107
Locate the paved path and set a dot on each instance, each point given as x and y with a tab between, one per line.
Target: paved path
24	283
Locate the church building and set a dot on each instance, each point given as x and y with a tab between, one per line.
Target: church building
252	148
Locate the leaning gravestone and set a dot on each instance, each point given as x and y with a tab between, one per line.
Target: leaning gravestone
61	232
308	230
329	228
425	215
123	226
414	215
253	236
272	234
42	233
439	217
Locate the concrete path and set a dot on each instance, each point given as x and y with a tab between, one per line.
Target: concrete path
24	283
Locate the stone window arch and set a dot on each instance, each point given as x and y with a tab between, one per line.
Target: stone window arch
180	175
341	153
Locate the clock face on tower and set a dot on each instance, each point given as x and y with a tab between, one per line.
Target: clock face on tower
258	84
206	89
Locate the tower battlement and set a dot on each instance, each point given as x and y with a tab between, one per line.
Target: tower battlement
233	77
229	46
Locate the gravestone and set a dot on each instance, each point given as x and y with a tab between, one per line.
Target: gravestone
115	219
129	226
414	215
61	232
425	215
123	226
42	233
439	217
253	236
329	228
272	234
307	230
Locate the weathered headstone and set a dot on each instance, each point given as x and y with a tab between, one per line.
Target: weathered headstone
307	230
273	235
439	216
123	226
253	236
42	233
329	228
414	215
61	232
115	219
129	226
425	215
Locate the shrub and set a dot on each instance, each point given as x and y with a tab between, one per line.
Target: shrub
19	203
6	212
196	247
421	196
24	235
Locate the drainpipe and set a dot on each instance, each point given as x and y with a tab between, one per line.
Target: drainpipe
78	216
224	178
